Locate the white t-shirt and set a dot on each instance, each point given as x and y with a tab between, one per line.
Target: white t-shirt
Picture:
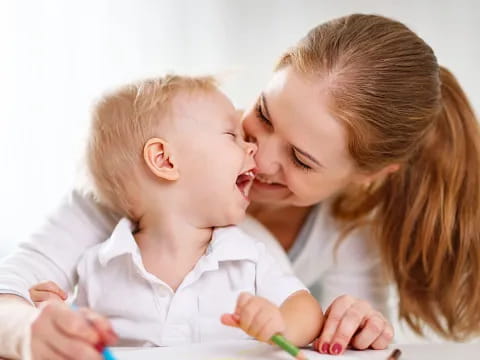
79	223
145	311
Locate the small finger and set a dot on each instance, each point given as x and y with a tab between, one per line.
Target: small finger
348	326
259	324
73	324
269	329
230	320
242	300
51	287
47	336
102	325
316	344
373	328
40	296
333	317
384	339
248	313
42	351
72	348
78	350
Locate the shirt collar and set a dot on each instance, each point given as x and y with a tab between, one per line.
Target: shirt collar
231	243
228	244
120	242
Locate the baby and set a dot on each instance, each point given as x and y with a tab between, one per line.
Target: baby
169	157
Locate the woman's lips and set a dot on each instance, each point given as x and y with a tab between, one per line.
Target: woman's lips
265	183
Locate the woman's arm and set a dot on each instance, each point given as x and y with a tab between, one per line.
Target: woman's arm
53	252
50	254
16	315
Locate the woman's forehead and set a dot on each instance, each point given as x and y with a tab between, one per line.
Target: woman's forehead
298	106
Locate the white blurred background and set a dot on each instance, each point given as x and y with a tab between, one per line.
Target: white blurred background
58	56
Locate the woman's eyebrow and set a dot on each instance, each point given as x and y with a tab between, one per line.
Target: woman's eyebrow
263	103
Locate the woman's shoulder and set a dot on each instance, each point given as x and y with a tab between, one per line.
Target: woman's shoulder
79	219
260	233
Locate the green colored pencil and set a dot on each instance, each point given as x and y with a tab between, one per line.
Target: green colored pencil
288	346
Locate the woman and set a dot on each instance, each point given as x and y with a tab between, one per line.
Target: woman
365	144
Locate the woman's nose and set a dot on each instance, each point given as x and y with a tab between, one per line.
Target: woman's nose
251	148
267	156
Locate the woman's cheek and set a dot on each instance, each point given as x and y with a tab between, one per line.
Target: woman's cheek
250	126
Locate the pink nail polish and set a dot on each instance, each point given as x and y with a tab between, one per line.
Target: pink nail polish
336	349
99	346
325	348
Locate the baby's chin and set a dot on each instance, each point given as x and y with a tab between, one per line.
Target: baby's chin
232	219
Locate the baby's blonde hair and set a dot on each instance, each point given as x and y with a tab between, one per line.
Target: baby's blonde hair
122	122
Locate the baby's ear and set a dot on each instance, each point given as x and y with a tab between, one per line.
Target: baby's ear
160	160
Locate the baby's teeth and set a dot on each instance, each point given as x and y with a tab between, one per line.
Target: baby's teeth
250	174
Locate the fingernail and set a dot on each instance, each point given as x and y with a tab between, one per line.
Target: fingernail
99	346
325	348
336	349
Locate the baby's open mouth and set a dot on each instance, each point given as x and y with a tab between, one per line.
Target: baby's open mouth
244	182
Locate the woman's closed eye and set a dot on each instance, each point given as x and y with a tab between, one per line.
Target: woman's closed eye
261	116
298	163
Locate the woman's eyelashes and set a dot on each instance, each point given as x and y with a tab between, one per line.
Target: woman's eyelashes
298	163
263	118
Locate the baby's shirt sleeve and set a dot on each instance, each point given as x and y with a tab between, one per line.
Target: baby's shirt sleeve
272	282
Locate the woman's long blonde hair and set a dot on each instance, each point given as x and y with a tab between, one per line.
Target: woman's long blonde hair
400	107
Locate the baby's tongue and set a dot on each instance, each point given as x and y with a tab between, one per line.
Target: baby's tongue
241	178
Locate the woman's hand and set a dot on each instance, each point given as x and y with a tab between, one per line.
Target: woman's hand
45	291
58	332
257	316
351	321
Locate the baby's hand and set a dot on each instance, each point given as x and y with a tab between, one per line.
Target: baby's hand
47	290
58	332
257	316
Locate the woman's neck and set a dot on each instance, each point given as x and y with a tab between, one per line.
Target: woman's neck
284	222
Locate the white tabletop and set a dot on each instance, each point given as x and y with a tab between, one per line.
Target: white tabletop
252	350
